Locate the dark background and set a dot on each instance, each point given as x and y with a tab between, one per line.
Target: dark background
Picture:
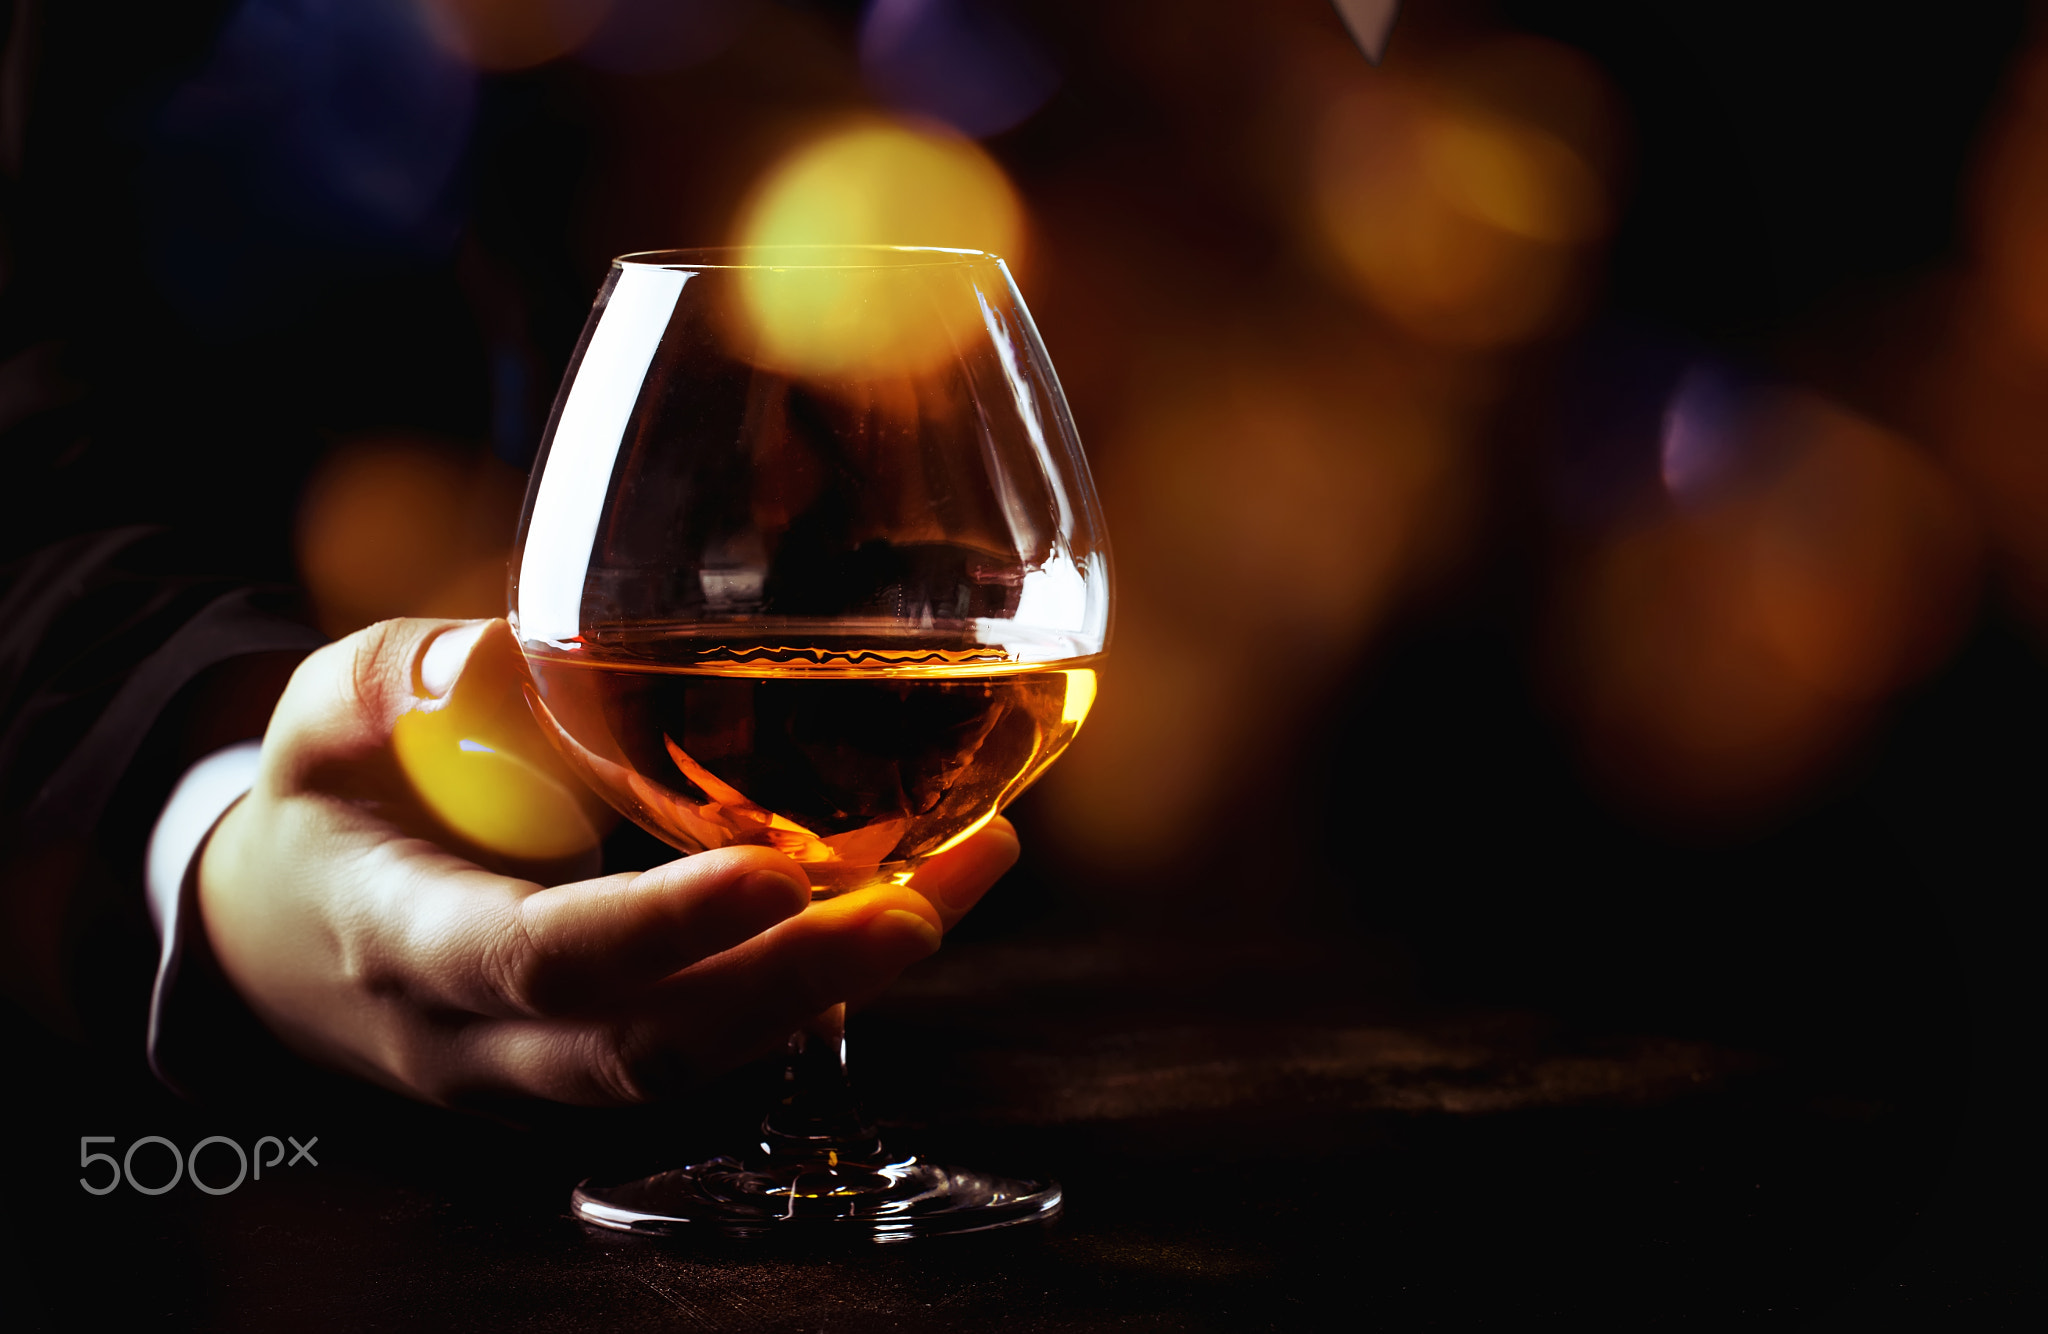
1664	1063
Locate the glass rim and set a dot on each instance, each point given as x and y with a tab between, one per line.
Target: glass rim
848	256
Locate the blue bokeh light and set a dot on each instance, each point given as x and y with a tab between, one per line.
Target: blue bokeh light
1704	446
328	132
963	62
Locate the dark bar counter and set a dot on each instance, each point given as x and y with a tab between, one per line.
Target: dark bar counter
1250	1135
1485	1054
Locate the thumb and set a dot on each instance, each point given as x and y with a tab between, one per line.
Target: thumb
470	748
447	652
342	701
381	669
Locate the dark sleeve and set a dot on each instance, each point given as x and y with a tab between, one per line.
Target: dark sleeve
142	620
118	668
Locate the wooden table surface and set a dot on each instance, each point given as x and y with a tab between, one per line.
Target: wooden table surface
1251	1136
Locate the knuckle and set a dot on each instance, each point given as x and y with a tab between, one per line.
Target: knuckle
340	702
378	668
619	1069
373	953
304	709
413	1062
632	1065
510	972
531	978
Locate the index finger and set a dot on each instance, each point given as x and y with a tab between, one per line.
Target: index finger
583	947
507	950
955	880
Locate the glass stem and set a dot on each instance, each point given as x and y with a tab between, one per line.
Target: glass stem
816	1120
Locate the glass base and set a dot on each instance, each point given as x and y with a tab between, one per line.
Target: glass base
879	1202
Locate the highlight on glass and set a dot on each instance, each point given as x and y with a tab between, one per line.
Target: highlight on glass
811	560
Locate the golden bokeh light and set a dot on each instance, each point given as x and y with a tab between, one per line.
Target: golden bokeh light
885	183
401	526
1466	223
513	34
1268	512
1721	657
1985	381
1988	393
2012	207
872	184
1524	181
1861	553
485	770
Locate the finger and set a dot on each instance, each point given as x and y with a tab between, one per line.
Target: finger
395	667
730	1009
582	948
458	938
374	673
561	1062
955	880
468	768
331	730
444	656
745	1002
471	718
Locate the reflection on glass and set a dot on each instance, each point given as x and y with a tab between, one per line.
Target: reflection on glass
812	561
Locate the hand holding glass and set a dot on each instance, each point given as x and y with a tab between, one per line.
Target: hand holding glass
811	560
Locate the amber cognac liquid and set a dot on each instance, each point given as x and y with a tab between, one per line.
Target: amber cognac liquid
858	756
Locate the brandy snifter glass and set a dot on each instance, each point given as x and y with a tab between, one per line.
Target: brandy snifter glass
811	560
